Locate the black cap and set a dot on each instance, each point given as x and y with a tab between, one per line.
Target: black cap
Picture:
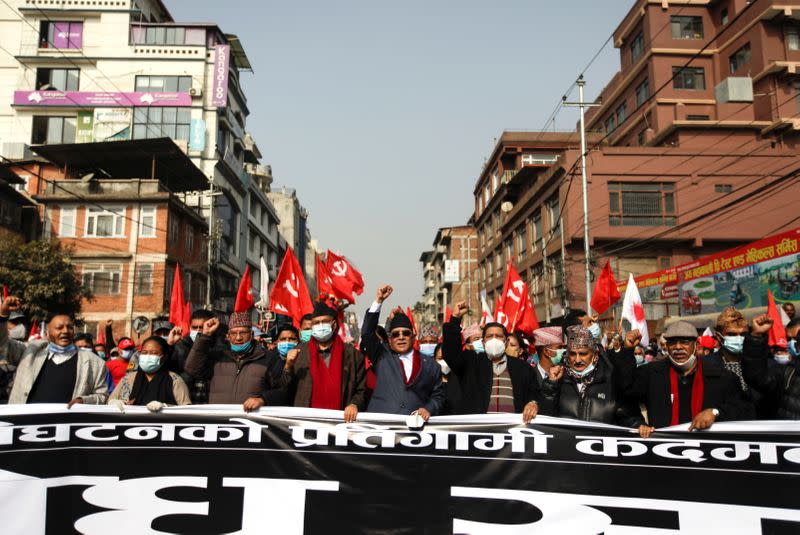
322	309
400	321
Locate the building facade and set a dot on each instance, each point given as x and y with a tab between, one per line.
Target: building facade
295	230
94	72
451	273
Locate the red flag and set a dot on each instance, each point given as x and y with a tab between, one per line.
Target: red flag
5	292
101	334
36	331
187	317
526	320
345	279
244	297
177	303
606	292
324	282
499	316
411	317
777	334
511	299
448	313
289	294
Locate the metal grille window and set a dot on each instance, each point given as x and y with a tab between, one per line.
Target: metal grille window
621	113
154	122
522	240
642	93
634	204
723	188
102	279
688	78
537	229
554	214
58	79
637	47
687	27
740	58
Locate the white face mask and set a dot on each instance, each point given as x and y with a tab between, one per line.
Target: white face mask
443	365
494	348
684	365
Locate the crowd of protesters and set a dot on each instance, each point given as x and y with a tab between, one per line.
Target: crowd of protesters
567	369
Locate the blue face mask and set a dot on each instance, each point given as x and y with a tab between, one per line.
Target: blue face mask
477	346
558	357
242	348
127	354
61	350
101	354
305	335
427	350
793	348
586	371
594	328
639	359
734	344
193	335
322	332
149	363
285	347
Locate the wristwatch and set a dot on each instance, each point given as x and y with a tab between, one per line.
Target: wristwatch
715	412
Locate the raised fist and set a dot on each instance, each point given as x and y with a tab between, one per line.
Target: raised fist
555	374
459	309
210	326
383	293
9	305
762	325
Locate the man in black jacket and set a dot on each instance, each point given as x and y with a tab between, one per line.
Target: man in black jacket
586	387
776	381
685	389
181	346
490	382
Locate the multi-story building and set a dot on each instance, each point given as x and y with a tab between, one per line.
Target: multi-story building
18	216
294	228
451	274
128	225
99	71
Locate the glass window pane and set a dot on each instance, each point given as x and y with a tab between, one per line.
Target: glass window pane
169	115
156	83
139	131
184	83
58	78
139	115
151	36
168	130
613	200
105	225
669	203
180	36
142	83
170	84
161	35
70	124
184	115
154	114
72	79
55	127
182	132
170	36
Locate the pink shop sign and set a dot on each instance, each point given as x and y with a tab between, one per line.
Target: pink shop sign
101	99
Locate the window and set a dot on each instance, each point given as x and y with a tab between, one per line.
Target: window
642	138
522	241
253	207
174	229
645	204
509	250
167	35
637	47
147	222
144	279
740	58
58	79
164	84
495	180
61	34
621	113
537	229
149	123
189	239
688	78
723	188
253	242
642	93
105	223
687	27
793	37
496	222
610	125
52	130
723	16
498	260
698	117
554	213
66	225
102	279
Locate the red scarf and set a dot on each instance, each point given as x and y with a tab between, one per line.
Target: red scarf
326	381
416	364
697	392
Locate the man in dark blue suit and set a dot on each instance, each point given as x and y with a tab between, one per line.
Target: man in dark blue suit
407	383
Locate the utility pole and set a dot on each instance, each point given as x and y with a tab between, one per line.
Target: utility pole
546	277
582	106
564	291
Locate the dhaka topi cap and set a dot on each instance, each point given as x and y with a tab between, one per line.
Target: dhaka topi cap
548	336
239	319
323	309
681	329
579	337
470	331
429	331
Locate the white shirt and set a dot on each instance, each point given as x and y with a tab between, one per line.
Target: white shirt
542	372
407	361
59	359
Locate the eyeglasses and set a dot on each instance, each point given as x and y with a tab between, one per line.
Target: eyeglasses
404	333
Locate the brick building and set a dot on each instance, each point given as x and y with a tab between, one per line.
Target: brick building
450	271
129	229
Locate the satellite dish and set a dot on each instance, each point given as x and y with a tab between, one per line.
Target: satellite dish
140	324
506	207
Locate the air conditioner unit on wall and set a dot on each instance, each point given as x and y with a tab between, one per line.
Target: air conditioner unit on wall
196	92
734	89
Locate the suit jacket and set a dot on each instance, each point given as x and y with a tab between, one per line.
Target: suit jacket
298	382
392	395
90	381
476	374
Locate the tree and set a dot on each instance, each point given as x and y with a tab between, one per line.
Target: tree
42	274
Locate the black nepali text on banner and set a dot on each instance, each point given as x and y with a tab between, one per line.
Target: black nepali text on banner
215	469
